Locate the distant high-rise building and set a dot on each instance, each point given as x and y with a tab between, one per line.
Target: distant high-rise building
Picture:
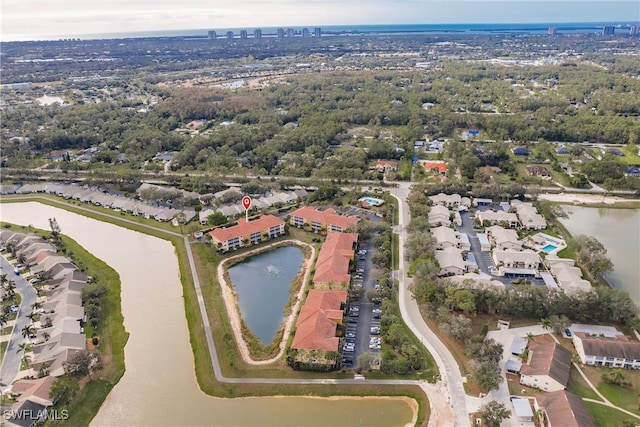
608	30
257	33
280	33
305	32
212	35
317	32
290	32
634	30
229	35
243	34
552	31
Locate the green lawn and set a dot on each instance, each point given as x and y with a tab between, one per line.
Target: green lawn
603	416
579	386
624	397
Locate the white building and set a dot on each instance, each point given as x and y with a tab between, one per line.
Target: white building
617	351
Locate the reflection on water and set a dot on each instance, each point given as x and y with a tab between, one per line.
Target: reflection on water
159	387
619	231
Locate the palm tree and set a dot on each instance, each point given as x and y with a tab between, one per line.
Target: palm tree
530	337
546	324
616	376
28	331
46	336
36	305
22	259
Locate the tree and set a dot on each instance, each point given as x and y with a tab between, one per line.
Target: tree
364	361
616	376
418	244
488	374
546	324
28	331
559	323
81	363
63	389
217	218
493	413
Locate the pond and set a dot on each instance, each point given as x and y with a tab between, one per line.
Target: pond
619	231
262	283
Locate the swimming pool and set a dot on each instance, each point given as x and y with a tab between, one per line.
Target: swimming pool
371	201
549	248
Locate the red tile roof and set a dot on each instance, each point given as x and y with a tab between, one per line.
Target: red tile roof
245	228
333	260
441	167
565	409
327	216
319	316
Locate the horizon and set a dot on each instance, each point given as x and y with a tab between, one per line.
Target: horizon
26	20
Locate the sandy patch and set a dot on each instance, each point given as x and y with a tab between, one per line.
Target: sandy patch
576	198
231	301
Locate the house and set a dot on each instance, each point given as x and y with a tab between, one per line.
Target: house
194	125
547	367
510	259
448	238
563	409
529	216
36	390
633	171
247	233
334	258
497	217
539	171
618	351
503	238
450	261
567	275
439	215
436	166
521	151
448	200
386	166
25	413
562	150
319	318
320	221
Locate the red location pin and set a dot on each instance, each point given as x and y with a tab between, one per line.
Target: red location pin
246	202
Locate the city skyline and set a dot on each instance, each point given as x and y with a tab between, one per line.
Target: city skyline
41	19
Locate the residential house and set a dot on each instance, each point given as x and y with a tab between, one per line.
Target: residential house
633	171
386	165
497	217
439	215
319	221
529	216
521	151
334	258
538	171
319	318
618	351
448	238
510	259
436	166
563	409
448	200
36	390
450	261
547	367
247	233
503	238
567	275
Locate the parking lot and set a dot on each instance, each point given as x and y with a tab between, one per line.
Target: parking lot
362	332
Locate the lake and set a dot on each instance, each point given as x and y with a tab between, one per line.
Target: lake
262	284
619	231
159	386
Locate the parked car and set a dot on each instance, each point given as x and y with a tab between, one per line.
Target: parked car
375	330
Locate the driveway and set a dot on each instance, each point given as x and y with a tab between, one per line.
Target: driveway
13	354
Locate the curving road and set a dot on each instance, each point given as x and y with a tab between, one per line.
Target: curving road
447	365
13	355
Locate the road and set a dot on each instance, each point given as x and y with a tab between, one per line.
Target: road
13	355
410	312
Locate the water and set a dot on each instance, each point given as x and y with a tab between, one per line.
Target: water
619	231
159	386
262	284
549	248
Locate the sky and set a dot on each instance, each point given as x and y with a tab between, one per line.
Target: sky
54	19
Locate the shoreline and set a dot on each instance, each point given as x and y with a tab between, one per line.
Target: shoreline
586	199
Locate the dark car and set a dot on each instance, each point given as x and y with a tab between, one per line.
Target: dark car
567	332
